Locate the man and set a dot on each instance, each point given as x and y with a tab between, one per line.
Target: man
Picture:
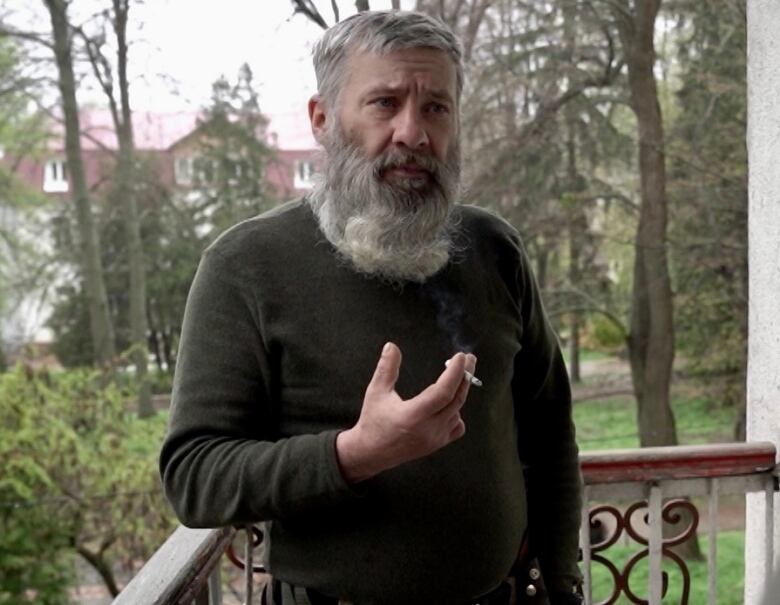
380	481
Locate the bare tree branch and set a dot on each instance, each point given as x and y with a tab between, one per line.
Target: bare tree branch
38	38
100	565
100	67
585	303
310	11
476	16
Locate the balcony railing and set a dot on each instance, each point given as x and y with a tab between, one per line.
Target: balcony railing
629	494
659	482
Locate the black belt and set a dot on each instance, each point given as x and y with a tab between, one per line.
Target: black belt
529	589
498	596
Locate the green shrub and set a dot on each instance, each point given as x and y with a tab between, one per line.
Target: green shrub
603	334
161	382
79	478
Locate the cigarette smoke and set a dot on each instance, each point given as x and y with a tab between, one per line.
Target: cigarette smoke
450	314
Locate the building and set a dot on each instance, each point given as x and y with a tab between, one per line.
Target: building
170	143
171	140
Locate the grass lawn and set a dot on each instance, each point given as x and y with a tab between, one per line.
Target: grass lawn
611	423
587	355
730	577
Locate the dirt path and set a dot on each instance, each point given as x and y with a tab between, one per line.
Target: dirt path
602	378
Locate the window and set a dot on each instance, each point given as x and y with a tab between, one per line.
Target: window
182	170
304	174
55	176
204	171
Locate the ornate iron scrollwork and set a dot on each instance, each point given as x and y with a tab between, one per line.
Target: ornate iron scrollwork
624	521
257	539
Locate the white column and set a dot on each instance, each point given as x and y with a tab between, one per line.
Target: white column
763	381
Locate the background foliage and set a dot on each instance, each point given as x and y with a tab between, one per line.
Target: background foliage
79	479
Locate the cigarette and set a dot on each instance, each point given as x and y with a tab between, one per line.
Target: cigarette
468	376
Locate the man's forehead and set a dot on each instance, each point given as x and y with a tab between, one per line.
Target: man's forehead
430	66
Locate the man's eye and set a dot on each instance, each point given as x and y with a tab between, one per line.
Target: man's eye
385	102
438	108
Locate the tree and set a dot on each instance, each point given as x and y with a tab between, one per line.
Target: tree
538	100
24	264
62	493
709	178
232	154
174	237
101	328
117	18
651	339
309	9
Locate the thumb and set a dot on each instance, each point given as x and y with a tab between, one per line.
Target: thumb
386	372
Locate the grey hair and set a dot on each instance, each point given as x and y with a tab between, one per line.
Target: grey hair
379	32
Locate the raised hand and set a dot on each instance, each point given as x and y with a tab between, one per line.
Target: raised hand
391	431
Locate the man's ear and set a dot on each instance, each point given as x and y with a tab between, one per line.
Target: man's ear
317	117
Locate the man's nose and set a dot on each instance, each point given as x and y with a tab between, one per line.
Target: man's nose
409	129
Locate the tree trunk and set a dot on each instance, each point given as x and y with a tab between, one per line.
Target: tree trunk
101	330
740	424
362	5
135	255
101	566
578	225
574	348
651	339
542	257
168	354
154	345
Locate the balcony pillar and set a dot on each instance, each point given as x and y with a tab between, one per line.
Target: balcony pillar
763	380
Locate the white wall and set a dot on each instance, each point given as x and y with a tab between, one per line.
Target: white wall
25	307
763	388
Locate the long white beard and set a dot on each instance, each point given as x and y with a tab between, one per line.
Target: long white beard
395	231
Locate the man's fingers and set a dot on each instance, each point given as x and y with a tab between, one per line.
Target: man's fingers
471	363
387	368
441	393
459	398
458	428
453	373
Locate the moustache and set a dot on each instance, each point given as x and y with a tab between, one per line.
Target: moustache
397	159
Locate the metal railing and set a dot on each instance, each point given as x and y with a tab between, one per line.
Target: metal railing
659	482
185	569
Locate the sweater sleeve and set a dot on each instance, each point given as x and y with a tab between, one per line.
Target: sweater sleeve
221	461
546	439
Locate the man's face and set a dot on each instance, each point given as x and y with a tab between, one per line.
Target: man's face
392	164
404	101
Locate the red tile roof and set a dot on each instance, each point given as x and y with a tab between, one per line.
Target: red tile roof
159	131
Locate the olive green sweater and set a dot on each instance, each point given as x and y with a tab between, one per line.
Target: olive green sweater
279	342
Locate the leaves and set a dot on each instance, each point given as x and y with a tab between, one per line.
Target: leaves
79	472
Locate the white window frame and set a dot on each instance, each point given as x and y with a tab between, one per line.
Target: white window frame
183	170
55	176
304	174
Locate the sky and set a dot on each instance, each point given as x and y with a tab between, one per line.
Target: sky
193	42
180	47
